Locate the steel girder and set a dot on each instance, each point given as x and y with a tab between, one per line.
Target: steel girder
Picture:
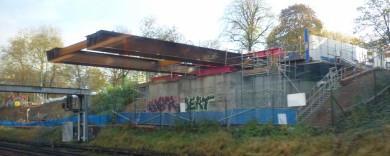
117	50
119	43
113	61
47	90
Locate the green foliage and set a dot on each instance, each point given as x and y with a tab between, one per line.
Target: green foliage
18	134
25	55
97	77
206	138
341	37
253	129
112	99
374	22
203	126
367	116
48	135
292	21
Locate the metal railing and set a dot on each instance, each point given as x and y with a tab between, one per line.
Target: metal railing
35	79
352	63
320	93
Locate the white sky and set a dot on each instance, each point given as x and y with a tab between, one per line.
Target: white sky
198	20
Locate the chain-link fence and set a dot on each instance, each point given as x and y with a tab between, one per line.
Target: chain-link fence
360	89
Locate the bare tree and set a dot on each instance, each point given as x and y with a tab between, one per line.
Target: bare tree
214	44
374	21
149	28
247	22
118	76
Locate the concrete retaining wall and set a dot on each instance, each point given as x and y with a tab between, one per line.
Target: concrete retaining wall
232	90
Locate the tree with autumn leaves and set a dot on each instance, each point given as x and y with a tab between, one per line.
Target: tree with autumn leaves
24	61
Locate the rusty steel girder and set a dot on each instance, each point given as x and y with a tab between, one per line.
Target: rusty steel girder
112	61
112	42
117	50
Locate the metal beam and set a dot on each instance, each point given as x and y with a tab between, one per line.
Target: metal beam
113	61
54	54
75	47
84	93
119	43
47	90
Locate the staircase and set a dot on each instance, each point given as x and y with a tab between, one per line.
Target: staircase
320	93
352	63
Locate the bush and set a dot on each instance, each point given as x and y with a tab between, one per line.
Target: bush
203	126
113	99
253	129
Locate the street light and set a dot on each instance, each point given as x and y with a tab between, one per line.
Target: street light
27	113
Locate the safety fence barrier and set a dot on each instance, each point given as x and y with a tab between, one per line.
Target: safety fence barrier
228	117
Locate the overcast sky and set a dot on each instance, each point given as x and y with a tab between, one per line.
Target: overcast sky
198	20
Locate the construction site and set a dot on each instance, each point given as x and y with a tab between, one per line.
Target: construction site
281	85
317	82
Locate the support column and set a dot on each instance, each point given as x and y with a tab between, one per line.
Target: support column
85	123
79	115
306	38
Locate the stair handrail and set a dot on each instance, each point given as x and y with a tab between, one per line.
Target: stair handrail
329	80
324	79
313	98
352	63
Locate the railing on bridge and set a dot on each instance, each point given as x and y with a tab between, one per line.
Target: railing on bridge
40	80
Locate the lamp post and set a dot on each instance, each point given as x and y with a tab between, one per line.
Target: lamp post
27	114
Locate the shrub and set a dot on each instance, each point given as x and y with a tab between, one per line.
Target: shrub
113	99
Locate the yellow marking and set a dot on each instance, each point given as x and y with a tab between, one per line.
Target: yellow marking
73	48
168	62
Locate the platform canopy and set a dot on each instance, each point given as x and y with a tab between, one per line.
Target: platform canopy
124	51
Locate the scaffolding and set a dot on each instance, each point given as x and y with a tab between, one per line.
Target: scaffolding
266	78
260	79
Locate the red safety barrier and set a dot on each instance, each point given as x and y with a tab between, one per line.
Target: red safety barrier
273	53
166	78
214	70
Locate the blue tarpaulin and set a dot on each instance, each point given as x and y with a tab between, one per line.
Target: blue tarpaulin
235	116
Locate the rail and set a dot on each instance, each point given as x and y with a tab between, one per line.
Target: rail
320	93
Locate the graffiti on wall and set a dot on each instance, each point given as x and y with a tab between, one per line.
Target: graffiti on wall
165	103
198	103
15	100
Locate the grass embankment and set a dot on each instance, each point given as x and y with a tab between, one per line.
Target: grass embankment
250	139
35	135
364	131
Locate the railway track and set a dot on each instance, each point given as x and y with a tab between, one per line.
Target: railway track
11	149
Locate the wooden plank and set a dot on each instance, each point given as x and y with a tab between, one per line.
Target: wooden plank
255	71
